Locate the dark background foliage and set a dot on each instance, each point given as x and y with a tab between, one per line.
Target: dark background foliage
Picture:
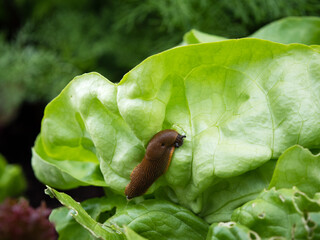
44	44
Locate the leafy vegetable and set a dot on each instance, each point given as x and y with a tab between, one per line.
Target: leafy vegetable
305	30
230	231
82	217
298	167
153	219
12	180
250	110
275	214
239	109
99	210
156	219
222	198
287	213
131	235
283	213
67	227
195	36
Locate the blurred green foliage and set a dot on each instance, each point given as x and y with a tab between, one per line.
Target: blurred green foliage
12	180
29	74
44	44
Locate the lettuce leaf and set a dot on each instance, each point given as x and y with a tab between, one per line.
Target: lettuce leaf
65	227
297	167
195	36
132	235
99	209
153	219
275	214
287	213
225	196
304	30
239	109
156	219
231	231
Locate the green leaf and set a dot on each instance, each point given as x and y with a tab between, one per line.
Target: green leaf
238	108
132	235
224	197
12	180
67	227
298	167
286	213
156	219
305	30
50	173
152	219
195	36
316	47
230	231
99	209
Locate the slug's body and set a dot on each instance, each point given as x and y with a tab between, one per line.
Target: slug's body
155	162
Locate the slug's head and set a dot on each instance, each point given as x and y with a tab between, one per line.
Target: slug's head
163	141
179	140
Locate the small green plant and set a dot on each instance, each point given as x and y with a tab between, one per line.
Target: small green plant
12	180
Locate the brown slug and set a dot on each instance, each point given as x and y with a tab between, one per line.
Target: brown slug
155	162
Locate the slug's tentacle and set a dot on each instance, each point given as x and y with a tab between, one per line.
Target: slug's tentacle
155	162
179	140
